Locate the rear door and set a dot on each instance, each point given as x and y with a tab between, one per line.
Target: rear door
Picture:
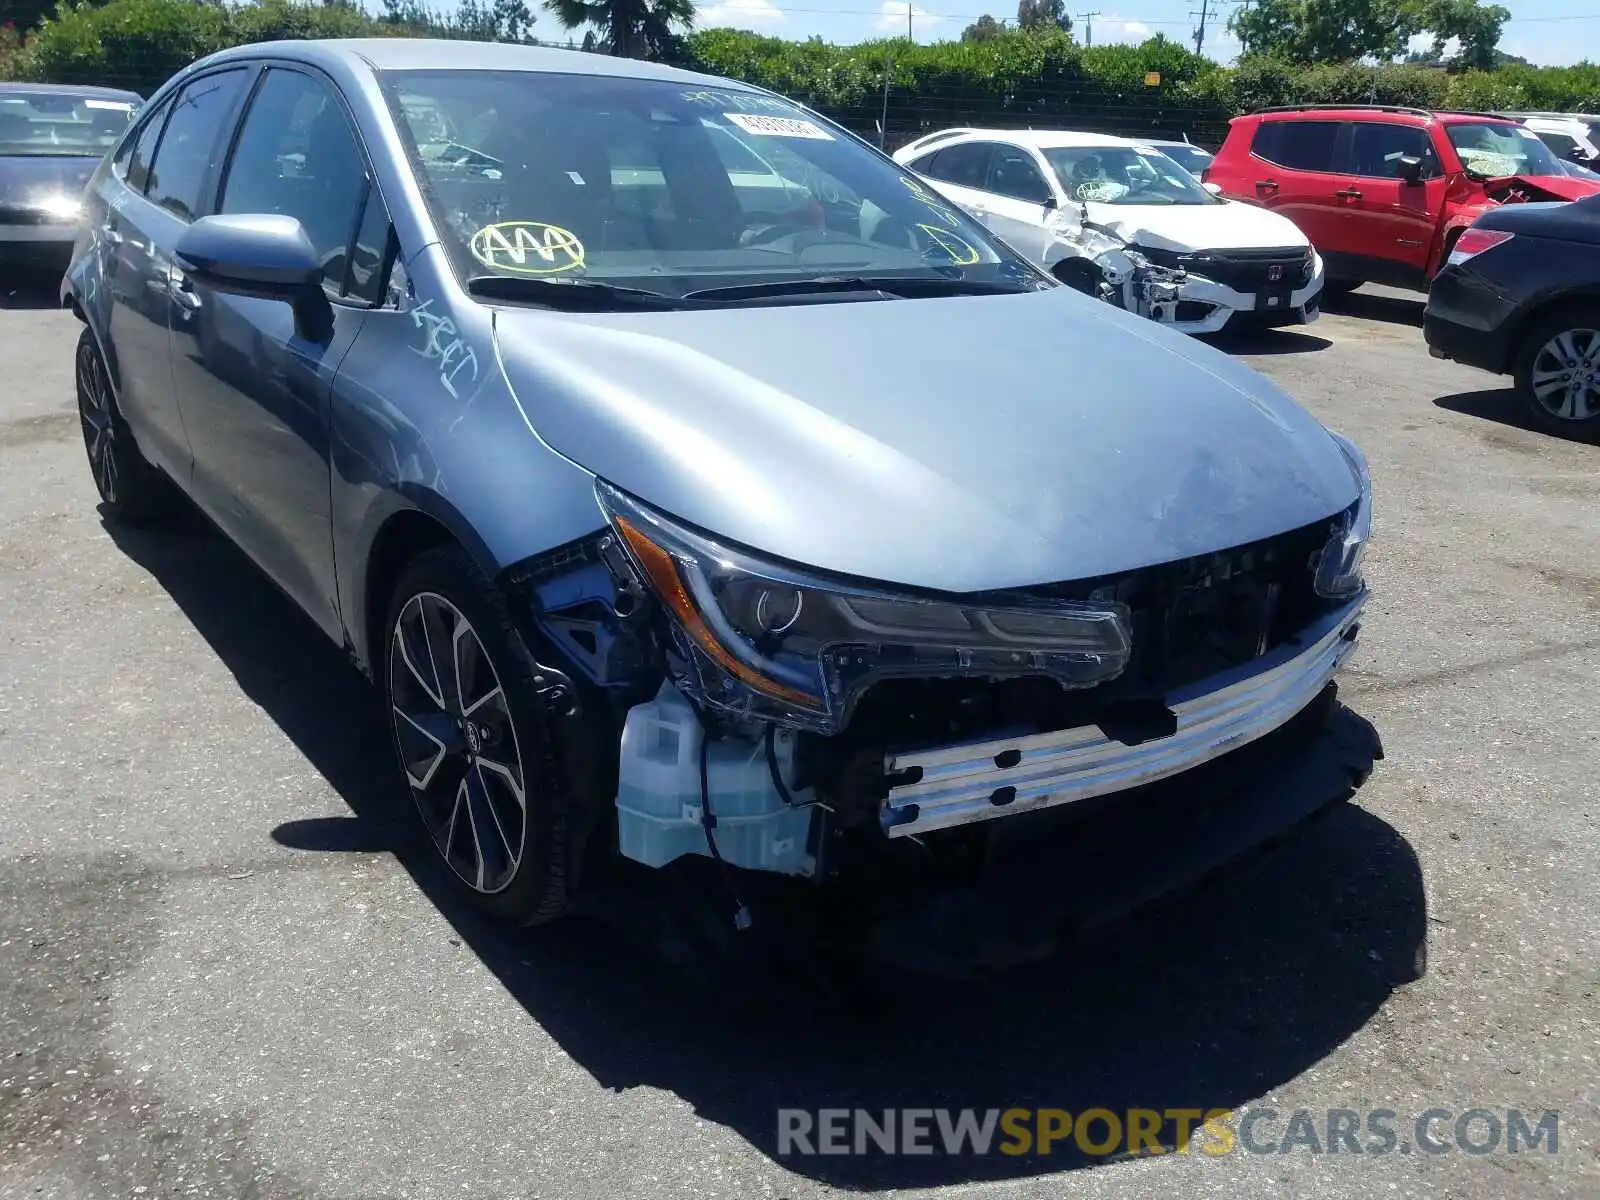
256	389
959	173
1385	217
1015	194
1294	163
149	205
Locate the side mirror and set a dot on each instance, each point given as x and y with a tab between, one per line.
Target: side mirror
1050	205
1214	188
1409	168
1578	155
263	255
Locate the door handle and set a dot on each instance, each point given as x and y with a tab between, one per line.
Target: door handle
1266	185
1349	193
183	293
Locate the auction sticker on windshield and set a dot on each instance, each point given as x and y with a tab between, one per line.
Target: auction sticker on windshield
779	126
528	248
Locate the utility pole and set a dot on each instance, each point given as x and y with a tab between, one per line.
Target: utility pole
1200	29
1088	26
910	37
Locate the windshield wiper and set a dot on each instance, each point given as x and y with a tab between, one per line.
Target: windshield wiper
570	295
915	286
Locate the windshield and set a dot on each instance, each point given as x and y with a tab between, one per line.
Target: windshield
1124	175
1495	151
649	184
1191	158
59	124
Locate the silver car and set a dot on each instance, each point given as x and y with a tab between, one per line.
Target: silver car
698	487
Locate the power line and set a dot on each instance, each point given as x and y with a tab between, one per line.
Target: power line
951	16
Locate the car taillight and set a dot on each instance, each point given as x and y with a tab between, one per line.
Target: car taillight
1474	242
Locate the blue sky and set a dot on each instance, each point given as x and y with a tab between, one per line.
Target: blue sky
1548	31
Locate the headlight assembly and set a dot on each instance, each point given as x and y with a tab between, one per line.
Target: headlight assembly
771	641
57	206
1339	568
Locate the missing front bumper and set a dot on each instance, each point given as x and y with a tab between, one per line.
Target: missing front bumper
960	785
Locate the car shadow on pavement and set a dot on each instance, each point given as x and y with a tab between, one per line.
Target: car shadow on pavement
1378	306
1499	405
31	290
1267	341
1210	1005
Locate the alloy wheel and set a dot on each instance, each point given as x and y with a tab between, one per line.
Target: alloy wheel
457	742
99	423
1566	375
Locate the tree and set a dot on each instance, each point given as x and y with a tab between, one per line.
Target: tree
1043	14
1310	31
1474	27
984	29
627	28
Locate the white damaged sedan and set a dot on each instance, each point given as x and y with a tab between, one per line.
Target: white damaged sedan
1120	220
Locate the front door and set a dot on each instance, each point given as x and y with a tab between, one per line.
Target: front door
256	386
1016	193
1386	218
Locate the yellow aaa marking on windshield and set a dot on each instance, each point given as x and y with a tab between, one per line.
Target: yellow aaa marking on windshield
932	201
962	252
528	248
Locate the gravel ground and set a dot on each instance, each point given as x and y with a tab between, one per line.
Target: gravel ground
216	979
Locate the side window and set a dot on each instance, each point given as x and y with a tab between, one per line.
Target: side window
1559	143
965	165
923	165
1376	148
1298	145
370	252
144	148
297	156
189	146
1012	172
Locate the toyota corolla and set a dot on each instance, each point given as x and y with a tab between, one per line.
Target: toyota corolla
694	483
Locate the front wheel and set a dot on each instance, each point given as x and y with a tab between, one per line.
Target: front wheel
1558	372
473	742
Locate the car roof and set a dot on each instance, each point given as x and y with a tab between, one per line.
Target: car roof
1040	139
72	89
444	54
1371	112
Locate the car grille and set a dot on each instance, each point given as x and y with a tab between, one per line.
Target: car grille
1198	616
1242	270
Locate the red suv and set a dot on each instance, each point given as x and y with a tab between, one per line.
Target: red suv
1383	192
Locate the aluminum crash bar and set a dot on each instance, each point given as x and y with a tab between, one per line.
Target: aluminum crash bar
959	785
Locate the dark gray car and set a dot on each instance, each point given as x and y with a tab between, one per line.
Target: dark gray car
51	139
693	482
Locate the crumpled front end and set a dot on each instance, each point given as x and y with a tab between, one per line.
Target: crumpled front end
1197	291
786	722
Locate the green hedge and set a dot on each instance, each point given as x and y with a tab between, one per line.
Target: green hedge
1018	77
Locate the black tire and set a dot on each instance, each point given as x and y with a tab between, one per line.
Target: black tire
1078	274
510	859
1340	287
1540	353
132	491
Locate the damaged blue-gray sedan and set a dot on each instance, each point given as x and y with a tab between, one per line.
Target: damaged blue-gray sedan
696	485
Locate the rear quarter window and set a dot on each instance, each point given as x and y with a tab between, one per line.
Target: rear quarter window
1298	145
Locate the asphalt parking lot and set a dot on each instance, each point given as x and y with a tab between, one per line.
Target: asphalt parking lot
216	979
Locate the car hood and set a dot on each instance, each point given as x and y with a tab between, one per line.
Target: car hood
1180	227
961	444
1541	187
23	177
